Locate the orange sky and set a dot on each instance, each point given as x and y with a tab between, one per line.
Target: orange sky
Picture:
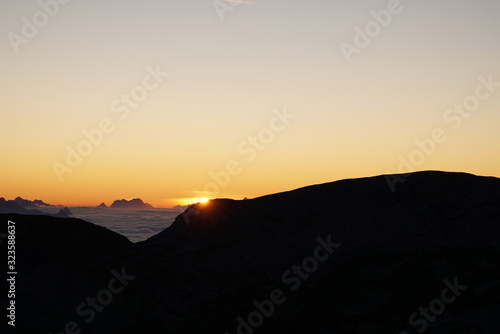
169	103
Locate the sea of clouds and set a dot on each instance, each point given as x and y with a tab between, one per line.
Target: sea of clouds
136	224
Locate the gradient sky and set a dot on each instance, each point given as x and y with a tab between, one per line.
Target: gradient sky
225	79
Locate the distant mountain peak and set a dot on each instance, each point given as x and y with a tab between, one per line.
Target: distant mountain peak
135	203
25	203
64	212
40	203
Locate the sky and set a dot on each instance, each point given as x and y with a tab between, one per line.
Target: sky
173	101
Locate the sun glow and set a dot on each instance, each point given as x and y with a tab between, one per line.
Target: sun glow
192	200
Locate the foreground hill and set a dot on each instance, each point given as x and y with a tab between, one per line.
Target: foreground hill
344	257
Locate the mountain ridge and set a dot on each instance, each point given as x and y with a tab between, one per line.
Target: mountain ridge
135	203
396	250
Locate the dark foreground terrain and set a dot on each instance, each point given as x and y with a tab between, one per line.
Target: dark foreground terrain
344	257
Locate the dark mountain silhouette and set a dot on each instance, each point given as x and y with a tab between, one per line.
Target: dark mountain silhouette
25	203
64	213
135	203
40	203
13	207
210	271
102	205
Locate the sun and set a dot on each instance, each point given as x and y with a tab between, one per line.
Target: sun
203	200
